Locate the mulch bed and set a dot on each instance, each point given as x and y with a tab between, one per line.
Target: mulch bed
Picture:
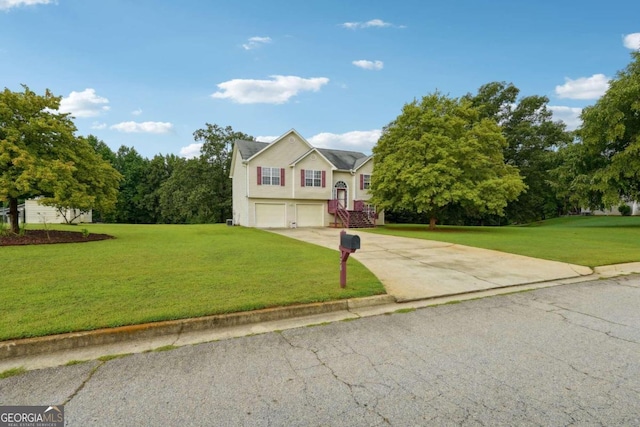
40	237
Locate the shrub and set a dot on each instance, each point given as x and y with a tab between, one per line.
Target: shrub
624	209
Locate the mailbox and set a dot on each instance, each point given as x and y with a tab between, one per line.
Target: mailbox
350	241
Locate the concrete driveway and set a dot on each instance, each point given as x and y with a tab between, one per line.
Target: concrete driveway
412	269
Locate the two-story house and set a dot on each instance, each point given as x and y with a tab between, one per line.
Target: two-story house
289	183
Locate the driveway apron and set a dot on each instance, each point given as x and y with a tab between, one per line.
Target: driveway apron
413	269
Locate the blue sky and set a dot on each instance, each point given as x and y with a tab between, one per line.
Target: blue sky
147	74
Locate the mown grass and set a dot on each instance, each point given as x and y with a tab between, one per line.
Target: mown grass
590	241
162	272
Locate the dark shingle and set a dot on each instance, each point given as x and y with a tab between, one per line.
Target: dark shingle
344	160
249	148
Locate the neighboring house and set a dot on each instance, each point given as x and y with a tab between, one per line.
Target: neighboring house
635	210
32	212
35	213
289	183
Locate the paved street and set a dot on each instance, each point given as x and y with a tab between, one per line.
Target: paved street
566	355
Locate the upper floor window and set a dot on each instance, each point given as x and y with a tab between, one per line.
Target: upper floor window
270	176
365	182
312	178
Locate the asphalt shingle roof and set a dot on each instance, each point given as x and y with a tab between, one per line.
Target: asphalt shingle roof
249	148
341	159
345	160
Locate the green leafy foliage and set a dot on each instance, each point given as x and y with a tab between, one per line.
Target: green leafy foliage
441	153
199	189
533	139
40	156
610	136
624	209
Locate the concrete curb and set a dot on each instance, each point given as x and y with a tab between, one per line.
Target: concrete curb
69	341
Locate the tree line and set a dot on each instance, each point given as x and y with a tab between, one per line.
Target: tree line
491	158
486	158
171	189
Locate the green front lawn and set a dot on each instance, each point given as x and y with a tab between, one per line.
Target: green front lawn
590	241
160	272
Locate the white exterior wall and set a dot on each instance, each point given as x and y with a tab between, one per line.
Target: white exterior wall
635	210
35	213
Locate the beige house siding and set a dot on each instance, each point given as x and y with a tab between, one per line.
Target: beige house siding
366	169
240	201
312	162
292	204
279	155
348	179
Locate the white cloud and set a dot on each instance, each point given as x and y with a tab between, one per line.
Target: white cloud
98	125
375	23
84	104
369	65
357	139
255	42
191	150
137	112
266	138
143	127
584	88
8	4
276	91
569	115
632	41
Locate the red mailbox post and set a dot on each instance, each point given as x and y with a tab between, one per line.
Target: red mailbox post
349	243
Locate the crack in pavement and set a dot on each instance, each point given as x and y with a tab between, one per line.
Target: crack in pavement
610	334
179	335
84	383
350	386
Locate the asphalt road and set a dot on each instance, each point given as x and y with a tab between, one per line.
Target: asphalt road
567	355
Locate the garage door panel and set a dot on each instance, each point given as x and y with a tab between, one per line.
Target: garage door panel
310	215
270	215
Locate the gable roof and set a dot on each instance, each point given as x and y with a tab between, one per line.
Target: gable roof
341	159
361	161
249	148
281	138
305	155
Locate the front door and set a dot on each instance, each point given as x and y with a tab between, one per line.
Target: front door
341	195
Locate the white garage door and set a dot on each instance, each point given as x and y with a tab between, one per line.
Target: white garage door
270	215
309	215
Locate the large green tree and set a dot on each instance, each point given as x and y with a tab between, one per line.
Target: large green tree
199	190
610	135
533	139
90	182
440	152
41	156
133	168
